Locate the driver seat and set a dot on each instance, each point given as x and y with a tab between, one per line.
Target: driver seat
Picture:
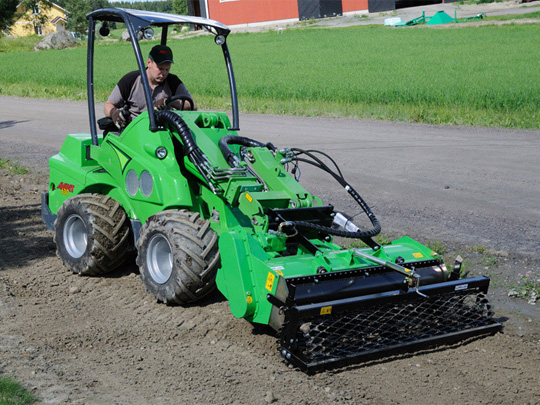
106	124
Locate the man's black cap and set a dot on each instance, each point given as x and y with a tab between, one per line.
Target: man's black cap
161	54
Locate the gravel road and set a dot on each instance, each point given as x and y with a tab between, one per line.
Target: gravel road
475	186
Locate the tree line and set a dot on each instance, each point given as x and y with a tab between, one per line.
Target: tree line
77	10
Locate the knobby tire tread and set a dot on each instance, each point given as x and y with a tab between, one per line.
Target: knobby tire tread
108	234
195	256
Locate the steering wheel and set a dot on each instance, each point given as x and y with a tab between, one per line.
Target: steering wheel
169	101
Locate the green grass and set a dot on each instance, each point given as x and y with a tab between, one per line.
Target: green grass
437	247
527	288
24	44
12	167
535	14
488	257
530	285
482	76
13	393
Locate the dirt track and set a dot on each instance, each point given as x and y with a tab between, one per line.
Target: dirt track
104	340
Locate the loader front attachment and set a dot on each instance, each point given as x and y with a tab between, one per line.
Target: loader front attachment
333	306
320	334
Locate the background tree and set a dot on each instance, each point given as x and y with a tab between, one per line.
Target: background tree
160	6
180	7
7	14
77	10
76	15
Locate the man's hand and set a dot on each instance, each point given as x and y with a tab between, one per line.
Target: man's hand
118	118
160	104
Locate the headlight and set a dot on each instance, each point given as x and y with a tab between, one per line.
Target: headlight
219	39
161	152
148	33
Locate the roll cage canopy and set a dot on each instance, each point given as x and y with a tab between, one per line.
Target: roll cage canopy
138	20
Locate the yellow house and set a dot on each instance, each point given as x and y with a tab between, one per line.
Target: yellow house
33	21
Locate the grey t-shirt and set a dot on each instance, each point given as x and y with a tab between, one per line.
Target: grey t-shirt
130	90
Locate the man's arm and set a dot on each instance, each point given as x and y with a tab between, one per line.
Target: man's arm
111	110
108	108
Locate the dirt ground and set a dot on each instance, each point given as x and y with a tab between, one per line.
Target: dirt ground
88	340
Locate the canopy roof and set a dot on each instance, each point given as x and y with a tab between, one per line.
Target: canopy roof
141	19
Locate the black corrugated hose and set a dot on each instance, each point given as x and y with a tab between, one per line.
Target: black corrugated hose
229	155
191	149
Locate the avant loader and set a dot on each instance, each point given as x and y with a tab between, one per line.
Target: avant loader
205	207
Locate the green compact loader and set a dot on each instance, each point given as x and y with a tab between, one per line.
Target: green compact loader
205	207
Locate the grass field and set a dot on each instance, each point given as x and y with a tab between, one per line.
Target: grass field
13	393
483	76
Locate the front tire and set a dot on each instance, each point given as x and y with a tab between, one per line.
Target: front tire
178	256
91	234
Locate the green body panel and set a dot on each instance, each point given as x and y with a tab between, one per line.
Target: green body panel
104	168
253	258
69	170
249	273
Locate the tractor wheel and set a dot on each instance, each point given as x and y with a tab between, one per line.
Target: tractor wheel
178	256
92	234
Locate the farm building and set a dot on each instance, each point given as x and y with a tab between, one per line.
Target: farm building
236	12
240	12
42	20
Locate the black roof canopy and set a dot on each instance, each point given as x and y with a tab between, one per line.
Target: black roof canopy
140	19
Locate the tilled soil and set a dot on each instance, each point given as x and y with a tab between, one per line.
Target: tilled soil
75	339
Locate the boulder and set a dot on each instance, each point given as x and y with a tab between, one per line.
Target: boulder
56	40
125	36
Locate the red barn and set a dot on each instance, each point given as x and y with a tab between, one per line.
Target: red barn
234	12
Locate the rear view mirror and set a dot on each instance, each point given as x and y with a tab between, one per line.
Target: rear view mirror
104	30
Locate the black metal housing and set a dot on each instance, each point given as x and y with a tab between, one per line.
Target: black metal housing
337	332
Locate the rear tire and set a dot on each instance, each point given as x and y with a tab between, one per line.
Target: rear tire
178	256
92	234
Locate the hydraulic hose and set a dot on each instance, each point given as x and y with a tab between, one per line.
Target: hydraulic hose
232	160
229	155
191	149
175	120
354	194
347	234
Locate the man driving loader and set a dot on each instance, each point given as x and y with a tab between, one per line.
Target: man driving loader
129	91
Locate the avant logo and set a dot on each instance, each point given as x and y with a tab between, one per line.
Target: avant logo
66	188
